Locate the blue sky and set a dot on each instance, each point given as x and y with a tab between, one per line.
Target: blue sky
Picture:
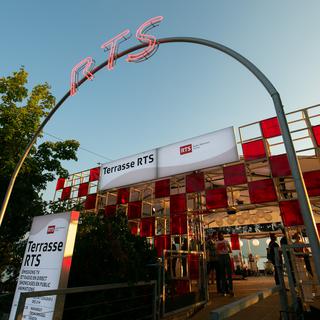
182	91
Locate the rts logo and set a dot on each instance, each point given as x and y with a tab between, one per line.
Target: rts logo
51	229
186	149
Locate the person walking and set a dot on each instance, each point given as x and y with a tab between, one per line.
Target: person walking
223	250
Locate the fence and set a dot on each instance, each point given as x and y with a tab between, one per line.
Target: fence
112	301
184	280
304	286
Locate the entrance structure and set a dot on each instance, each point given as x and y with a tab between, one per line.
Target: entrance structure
261	182
257	189
252	151
304	202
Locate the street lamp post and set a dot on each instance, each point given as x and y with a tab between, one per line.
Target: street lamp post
303	198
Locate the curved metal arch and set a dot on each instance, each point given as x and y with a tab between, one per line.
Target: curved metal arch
250	66
293	161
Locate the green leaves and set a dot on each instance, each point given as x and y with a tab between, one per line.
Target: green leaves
107	252
12	88
21	112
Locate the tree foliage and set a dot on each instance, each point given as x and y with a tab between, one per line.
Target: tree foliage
107	252
21	112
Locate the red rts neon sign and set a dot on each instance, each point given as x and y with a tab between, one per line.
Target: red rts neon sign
111	46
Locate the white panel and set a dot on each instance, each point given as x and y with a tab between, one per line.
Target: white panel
42	263
129	170
208	150
205	151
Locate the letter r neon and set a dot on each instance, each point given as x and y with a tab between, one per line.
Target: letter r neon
86	64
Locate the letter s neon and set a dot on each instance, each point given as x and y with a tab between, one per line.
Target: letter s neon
146	38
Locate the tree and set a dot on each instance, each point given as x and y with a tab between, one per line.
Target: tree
106	252
21	112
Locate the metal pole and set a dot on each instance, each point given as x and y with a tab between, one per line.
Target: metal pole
303	198
282	291
20	307
294	165
289	263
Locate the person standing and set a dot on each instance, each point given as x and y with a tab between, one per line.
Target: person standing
173	258
284	242
213	267
184	247
223	250
271	255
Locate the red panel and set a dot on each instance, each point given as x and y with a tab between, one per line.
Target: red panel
123	195
234	175
162	243
195	182
290	213
110	211
75	215
147	227
162	188
270	127
318	228
253	150
178	203
83	189
134	210
312	182
90	201
66	193
60	183
94	174
133	228
181	286
235	243
262	191
316	133
216	198
280	165
178	224
193	261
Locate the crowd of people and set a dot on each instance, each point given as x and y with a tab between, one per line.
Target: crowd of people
219	262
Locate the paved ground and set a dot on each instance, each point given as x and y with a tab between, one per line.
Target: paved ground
242	288
268	308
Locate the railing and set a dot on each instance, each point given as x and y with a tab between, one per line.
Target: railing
304	286
184	280
111	301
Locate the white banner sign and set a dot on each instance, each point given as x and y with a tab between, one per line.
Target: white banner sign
46	262
205	151
133	169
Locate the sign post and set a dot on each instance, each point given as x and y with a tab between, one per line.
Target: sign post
46	264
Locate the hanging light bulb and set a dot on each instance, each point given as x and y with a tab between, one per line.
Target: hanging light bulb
268	217
255	242
245	215
219	222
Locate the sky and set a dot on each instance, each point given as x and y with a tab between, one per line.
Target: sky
183	90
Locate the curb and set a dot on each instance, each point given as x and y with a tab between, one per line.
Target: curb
234	307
